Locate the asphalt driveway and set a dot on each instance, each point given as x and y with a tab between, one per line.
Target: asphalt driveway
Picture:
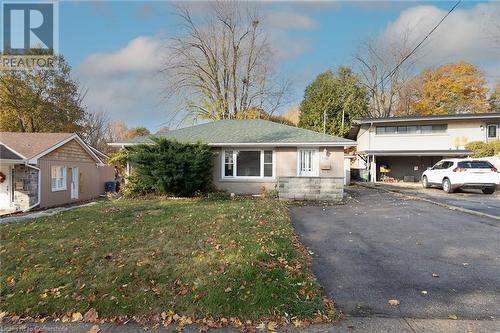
380	246
473	200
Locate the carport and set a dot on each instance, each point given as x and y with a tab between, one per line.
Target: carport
405	165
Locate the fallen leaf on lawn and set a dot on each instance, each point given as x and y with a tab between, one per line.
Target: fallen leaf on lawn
77	316
424	292
11	281
453	317
228	289
435	275
262	326
3	314
94	329
393	302
91	315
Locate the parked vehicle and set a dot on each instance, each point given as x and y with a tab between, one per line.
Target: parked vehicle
453	174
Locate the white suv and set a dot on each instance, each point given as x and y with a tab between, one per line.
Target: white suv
456	173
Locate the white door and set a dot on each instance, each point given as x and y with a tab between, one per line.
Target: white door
74	183
308	162
5	188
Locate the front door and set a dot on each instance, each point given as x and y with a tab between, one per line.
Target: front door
5	187
74	183
308	162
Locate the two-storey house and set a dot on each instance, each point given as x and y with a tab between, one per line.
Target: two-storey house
404	147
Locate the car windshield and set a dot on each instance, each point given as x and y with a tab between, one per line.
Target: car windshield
475	165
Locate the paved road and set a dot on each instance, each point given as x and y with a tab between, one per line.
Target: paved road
380	246
468	199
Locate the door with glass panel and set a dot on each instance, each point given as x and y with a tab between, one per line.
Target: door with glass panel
307	163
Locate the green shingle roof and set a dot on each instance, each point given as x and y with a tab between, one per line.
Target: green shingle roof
225	132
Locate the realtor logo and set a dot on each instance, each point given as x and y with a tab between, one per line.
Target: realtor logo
29	29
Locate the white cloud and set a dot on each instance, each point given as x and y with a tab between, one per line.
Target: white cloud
141	54
290	20
126	83
471	35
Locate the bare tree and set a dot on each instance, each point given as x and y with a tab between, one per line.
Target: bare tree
378	62
96	130
223	65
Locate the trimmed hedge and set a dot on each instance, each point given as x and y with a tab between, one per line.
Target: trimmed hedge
484	149
170	167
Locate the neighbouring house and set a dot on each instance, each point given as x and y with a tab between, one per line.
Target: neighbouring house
252	155
48	169
402	148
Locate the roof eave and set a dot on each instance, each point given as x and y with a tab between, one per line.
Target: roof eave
255	144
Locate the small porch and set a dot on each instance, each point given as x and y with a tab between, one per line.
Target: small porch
19	186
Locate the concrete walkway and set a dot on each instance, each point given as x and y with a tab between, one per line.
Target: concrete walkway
352	324
42	213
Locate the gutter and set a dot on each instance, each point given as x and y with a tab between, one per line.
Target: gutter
39	187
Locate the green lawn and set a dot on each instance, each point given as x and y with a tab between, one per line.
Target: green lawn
196	257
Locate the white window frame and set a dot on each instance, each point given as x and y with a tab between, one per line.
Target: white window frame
235	164
64	178
315	162
488	131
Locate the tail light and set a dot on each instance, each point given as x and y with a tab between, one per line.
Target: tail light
459	169
494	169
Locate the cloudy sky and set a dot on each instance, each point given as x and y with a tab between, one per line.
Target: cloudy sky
116	47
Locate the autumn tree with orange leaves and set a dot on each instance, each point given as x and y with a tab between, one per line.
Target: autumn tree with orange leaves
449	89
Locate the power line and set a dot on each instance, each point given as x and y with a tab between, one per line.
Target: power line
419	44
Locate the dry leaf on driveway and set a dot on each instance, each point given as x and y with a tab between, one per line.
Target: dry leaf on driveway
393	302
94	329
453	317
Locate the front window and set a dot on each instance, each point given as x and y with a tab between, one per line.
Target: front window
58	178
248	163
492	131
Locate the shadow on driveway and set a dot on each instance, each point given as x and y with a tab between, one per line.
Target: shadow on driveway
380	246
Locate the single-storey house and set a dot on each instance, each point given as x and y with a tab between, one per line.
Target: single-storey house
404	147
252	155
48	169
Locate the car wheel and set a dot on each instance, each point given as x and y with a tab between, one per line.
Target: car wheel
447	186
425	182
488	190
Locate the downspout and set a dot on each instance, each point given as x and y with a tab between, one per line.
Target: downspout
39	187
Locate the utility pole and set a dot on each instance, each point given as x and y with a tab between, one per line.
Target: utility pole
342	127
324	121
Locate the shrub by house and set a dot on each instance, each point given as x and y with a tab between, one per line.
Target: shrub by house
170	167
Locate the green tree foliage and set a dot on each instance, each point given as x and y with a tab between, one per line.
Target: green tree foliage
484	149
170	167
40	100
494	100
332	93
